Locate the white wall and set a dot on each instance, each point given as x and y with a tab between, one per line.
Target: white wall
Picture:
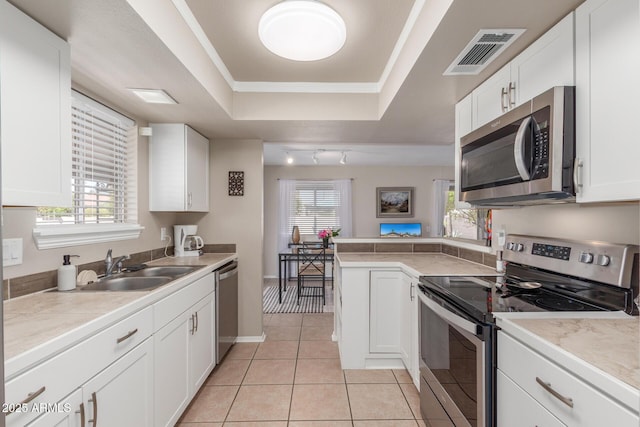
365	181
237	219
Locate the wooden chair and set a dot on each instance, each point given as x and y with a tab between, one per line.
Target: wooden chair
311	269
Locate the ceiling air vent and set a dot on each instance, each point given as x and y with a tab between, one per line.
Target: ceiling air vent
483	48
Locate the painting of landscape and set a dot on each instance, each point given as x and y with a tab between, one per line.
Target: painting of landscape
401	230
394	202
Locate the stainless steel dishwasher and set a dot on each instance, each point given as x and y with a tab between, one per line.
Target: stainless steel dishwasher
226	308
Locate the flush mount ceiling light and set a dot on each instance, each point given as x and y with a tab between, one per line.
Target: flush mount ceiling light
154	96
302	30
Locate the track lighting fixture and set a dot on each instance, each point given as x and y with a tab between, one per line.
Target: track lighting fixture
315	158
343	159
289	159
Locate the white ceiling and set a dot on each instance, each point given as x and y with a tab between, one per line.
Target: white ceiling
383	96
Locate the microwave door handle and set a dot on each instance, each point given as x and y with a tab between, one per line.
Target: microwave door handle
518	149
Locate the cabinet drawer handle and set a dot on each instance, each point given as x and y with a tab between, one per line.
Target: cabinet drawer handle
197	322
29	398
127	336
504	95
547	386
512	90
94	401
193	324
82	415
577	165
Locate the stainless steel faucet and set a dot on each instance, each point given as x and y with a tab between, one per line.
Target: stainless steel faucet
109	263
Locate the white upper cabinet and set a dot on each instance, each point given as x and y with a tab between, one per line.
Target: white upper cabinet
491	98
607	94
464	125
178	169
546	63
35	111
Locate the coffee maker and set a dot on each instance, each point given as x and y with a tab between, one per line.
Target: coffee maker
186	242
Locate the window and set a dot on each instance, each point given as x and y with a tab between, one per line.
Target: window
314	206
463	223
452	222
103	173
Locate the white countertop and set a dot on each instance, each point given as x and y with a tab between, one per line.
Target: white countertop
602	348
38	326
416	264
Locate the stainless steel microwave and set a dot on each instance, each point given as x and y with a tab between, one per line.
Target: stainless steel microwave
524	157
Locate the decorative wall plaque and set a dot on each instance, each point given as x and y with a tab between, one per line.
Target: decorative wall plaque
236	183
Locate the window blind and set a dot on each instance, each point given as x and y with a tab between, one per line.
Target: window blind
103	174
314	206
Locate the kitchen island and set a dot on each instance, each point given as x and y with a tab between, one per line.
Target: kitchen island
375	295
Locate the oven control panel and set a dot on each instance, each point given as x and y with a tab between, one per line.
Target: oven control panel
552	251
609	263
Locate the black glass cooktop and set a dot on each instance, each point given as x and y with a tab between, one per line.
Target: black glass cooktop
481	296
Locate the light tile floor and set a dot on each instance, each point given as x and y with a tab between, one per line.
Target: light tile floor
294	379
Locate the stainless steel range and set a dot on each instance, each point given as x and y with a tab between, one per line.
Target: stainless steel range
457	327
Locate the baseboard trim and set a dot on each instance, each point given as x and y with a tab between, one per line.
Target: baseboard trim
254	338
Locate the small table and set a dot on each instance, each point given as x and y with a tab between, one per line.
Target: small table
283	261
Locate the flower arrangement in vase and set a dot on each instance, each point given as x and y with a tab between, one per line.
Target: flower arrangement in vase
326	233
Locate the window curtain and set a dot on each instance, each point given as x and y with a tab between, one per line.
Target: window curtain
440	194
343	186
287	192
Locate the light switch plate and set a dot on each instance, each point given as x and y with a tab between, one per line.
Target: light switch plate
11	252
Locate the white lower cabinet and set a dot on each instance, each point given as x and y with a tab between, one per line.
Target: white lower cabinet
529	384
185	355
122	394
69	412
516	404
390	315
52	380
141	371
377	319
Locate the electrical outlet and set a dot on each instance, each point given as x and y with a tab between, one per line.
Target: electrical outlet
163	234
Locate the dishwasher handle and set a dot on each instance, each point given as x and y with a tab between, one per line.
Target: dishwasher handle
228	270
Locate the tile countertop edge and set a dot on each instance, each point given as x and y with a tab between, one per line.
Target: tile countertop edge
440	240
16	365
591	374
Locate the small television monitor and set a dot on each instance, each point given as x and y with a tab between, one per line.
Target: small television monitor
401	229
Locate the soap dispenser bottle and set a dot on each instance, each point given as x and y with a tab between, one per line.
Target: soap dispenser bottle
67	273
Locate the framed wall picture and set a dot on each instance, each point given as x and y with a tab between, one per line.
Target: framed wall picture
394	202
236	183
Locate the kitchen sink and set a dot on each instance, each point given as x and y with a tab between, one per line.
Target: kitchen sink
164	270
127	283
141	280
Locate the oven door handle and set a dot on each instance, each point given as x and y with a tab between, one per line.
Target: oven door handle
448	315
519	151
